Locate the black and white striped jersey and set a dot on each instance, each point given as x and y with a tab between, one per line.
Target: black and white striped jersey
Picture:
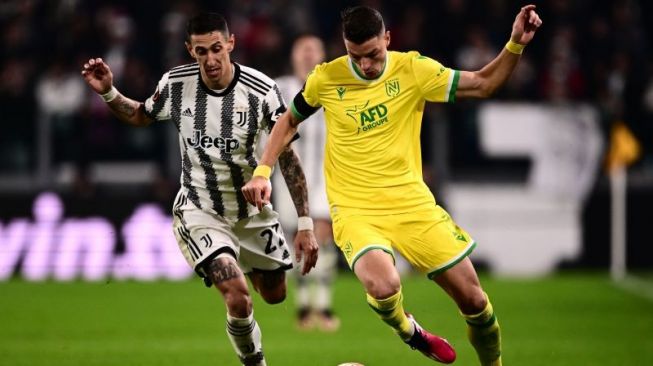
218	132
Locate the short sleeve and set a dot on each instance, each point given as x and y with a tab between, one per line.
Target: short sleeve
307	101
158	105
437	82
273	107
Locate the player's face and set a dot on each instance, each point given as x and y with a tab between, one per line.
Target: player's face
306	53
369	56
211	51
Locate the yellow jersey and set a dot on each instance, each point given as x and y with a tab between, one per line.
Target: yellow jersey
373	160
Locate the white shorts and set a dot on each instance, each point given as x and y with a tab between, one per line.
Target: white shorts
257	242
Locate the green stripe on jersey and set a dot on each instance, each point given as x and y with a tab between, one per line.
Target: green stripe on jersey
454	86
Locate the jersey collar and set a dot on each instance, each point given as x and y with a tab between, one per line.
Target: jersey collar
228	89
358	74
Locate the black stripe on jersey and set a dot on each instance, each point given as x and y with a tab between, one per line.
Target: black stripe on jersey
302	106
256	81
175	103
192	246
275	87
210	176
186	66
226	131
253	87
186	165
159	102
185	238
252	128
184	75
192	242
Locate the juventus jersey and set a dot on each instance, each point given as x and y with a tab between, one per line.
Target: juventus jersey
218	133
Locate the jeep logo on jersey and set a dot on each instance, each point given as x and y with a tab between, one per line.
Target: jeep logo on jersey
227	145
368	117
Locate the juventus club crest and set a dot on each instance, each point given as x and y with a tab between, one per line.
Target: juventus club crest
241	116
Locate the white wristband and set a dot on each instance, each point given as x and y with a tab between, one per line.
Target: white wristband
110	95
304	223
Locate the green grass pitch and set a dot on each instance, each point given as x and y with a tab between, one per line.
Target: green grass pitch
570	319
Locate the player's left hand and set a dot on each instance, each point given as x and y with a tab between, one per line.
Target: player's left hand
306	246
525	25
257	191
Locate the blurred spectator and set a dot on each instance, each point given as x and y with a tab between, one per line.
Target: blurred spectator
597	52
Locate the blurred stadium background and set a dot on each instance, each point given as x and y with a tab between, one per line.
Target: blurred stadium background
553	177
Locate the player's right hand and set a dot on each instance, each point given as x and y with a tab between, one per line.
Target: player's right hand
257	191
98	75
306	248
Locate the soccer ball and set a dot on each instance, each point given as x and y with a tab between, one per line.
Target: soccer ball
351	364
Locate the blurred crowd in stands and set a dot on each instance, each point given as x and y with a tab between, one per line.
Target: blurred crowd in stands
597	52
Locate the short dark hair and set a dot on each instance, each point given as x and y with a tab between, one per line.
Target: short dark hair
361	23
206	23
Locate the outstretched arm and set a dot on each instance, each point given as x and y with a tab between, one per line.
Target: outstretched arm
99	77
483	83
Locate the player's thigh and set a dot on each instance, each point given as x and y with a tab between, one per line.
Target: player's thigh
357	234
431	241
202	236
263	246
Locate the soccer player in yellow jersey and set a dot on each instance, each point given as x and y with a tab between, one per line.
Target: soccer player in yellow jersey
373	101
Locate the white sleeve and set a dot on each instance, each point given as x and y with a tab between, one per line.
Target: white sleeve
157	106
274	106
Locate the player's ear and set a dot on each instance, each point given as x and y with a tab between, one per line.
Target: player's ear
231	43
189	48
386	36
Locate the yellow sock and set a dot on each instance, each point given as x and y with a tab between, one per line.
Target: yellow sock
391	311
485	335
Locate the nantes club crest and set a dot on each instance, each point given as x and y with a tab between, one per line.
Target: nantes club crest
392	87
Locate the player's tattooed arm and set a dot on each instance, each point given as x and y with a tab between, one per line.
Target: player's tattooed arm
295	180
129	111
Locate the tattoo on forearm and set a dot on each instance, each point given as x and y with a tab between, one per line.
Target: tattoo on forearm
221	271
295	180
125	106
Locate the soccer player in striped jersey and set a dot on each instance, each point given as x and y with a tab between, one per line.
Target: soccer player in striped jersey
313	295
373	102
220	110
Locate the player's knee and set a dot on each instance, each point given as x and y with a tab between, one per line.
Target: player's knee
238	301
274	295
382	288
473	303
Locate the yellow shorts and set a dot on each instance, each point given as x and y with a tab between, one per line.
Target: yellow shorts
428	239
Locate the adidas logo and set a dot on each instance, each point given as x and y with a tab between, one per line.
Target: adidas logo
187	113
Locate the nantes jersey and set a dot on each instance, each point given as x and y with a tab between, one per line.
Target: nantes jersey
372	154
218	133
